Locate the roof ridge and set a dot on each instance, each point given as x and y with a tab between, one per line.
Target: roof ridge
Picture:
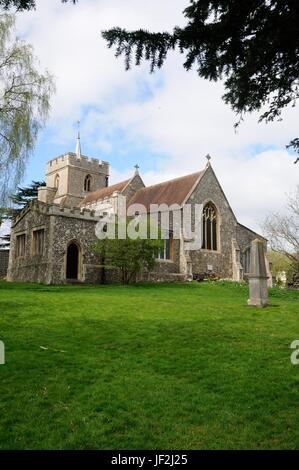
169	192
109	187
104	192
173	179
116	184
250	229
128	182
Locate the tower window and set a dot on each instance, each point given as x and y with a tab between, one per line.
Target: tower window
106	181
87	183
56	182
209	228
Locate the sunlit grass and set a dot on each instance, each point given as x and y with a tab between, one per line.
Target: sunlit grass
147	366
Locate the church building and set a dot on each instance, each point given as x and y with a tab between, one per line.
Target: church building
52	238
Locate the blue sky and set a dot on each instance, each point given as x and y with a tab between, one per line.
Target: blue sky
122	155
166	122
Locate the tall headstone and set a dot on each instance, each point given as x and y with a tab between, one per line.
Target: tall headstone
258	278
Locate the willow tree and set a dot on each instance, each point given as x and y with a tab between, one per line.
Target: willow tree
24	105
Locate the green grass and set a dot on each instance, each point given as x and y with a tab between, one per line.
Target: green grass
147	367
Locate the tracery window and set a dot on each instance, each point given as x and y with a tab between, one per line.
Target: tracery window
209	228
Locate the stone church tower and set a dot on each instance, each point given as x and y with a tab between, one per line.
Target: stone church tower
70	177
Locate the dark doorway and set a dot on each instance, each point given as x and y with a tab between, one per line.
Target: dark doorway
72	261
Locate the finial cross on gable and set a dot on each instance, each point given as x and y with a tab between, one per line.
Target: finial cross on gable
136	167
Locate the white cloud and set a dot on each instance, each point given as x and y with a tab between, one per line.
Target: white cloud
181	116
67	40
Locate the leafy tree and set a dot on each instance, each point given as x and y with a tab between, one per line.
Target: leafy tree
19	200
280	263
24	105
21	5
252	44
23	196
130	256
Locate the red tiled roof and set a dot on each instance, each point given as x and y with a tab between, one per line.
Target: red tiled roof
170	192
104	192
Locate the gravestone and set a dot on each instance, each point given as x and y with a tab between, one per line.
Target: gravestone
258	279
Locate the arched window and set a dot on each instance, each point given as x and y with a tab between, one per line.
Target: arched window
87	183
246	260
56	182
209	227
106	181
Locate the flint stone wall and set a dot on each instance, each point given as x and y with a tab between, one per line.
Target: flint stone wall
30	268
4	256
59	231
209	190
245	236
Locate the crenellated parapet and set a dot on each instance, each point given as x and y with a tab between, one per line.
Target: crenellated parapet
73	176
74	212
92	165
56	210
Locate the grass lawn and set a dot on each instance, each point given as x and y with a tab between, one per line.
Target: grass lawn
147	367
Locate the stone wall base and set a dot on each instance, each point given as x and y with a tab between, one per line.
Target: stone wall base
4	256
164	277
